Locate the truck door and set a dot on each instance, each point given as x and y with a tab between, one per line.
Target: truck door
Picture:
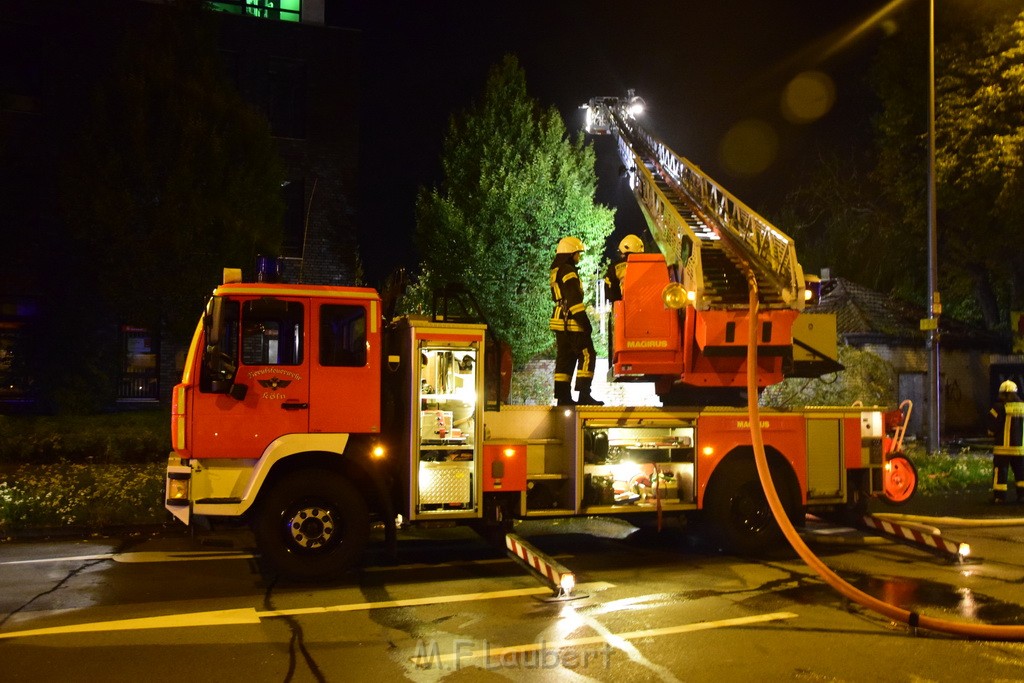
265	342
345	384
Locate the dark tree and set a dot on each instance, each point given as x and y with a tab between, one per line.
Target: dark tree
514	184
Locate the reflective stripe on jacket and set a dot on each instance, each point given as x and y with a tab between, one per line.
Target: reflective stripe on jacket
1008	420
569	314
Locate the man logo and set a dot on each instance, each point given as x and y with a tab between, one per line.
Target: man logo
274	383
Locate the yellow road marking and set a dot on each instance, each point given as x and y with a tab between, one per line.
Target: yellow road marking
248	615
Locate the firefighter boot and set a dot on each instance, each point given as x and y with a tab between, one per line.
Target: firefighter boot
563	394
585	399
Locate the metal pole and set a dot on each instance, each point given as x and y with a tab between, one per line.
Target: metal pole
934	300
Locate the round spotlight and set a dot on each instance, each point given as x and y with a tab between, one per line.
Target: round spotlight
674	295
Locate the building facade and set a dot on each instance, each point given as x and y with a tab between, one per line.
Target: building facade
302	75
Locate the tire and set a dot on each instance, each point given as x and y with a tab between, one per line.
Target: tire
312	525
737	511
899	480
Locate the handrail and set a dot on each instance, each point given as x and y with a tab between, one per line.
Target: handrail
771	249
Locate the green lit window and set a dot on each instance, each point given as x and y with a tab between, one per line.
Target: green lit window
281	10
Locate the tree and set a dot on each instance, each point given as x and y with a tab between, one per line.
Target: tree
867	378
979	131
980	160
836	216
514	184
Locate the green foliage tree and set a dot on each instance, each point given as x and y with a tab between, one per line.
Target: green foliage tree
170	175
979	135
514	184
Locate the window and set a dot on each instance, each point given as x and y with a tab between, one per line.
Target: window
342	335
272	332
140	374
281	10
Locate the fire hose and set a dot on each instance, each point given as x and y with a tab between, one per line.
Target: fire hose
844	588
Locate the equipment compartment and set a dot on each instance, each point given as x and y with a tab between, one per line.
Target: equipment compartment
637	465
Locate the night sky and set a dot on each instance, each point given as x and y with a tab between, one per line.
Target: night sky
710	72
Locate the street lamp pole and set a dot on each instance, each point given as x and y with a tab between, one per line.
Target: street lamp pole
934	300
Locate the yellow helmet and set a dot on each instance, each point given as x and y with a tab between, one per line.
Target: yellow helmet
1008	387
631	244
569	245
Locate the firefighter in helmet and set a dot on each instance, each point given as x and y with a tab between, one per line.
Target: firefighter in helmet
630	244
614	276
1006	425
574	347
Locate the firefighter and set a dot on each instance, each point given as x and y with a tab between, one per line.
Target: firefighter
630	244
1006	424
574	347
613	279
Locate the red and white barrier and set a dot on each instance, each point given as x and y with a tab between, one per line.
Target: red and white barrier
920	534
561	580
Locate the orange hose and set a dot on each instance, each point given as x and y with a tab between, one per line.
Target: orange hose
913	619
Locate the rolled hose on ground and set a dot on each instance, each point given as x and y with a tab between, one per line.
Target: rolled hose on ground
913	619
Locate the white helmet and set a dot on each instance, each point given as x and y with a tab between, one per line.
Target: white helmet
1008	387
569	245
631	244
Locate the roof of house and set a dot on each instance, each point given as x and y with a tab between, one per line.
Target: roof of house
864	315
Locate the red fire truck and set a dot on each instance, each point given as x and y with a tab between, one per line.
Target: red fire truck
312	413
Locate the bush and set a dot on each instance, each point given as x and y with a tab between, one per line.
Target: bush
79	496
866	378
944	471
136	437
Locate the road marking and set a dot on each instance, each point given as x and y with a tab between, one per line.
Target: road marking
75	558
250	616
155	556
143	557
498	652
189	556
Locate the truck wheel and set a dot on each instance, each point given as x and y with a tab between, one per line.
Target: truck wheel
737	510
899	480
312	525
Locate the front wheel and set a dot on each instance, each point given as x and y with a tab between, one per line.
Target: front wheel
312	525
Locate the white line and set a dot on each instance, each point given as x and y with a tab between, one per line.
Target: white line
187	556
76	558
155	556
249	616
597	640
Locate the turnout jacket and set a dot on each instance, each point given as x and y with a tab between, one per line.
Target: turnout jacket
613	278
1006	424
569	314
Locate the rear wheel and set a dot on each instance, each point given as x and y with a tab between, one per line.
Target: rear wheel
737	510
312	525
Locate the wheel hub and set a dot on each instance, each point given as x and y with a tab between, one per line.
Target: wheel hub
311	527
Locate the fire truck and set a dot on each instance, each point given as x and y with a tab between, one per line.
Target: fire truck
313	412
